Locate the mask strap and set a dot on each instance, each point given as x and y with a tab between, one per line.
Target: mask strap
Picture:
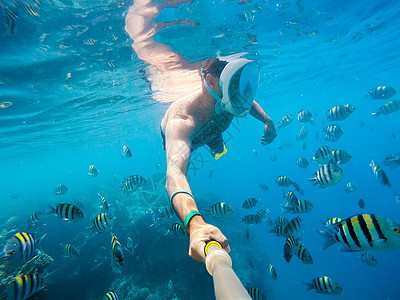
212	93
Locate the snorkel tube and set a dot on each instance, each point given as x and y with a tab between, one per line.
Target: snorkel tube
227	285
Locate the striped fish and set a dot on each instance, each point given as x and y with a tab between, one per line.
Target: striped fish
93	171
166	212
303	206
392	160
350	187
126	152
363	232
20	248
23	287
368	259
291	198
70	250
132	183
263	213
283	181
303	254
61	189
382	92
251	219
302	162
303	133
34	218
220	210
380	174
281	220
111	296
340	157
332	133
288	247
331	221
250	202
279	230
323	154
285	121
256	294
340	112
388	108
272	272
177	229
104	202
67	211
304	116
103	222
325	285
293	226
116	249
130	245
328	175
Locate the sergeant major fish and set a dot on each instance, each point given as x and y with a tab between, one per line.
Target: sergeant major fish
325	285
332	133
272	272
103	222
111	296
304	116
23	287
34	218
285	121
368	259
340	157
126	152
328	175
293	226
302	162
70	250
117	252
380	174
67	211
382	92
387	108
285	181
132	183
340	112
350	187
323	154
220	210
61	189
93	171
250	202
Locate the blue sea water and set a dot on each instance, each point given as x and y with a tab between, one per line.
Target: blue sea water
78	95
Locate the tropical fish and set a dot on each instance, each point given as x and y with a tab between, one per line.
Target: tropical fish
303	133
304	116
130	245
382	92
220	210
291	198
116	249
256	294
23	287
132	183
93	171
340	112
126	152
34	218
272	272
279	230
388	108
285	181
250	202
302	162
104	202
263	213
70	250
177	229
380	174
67	211
281	220
323	154
303	254
350	187
293	226
303	206
328	175
332	133
288	247
332	221
363	232
264	187
285	121
368	259
392	160
340	157
166	212
361	203
20	248
325	285
111	296
103	222
251	219
61	189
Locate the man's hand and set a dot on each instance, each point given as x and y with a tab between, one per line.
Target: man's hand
269	134
200	235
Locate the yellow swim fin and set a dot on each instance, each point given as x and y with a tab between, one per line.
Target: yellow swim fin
218	155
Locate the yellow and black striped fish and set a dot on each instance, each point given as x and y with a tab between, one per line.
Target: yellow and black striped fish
302	162
303	206
380	174
350	187
325	285
293	226
332	221
251	219
388	108
291	198
285	121
382	92
340	157
332	133
263	213
67	211
103	222
304	116
61	189
116	248
23	287
283	181
362	232
132	183
303	254
250	202
93	171
288	247
256	294
272	272
126	152
104	202
303	133
340	112
328	175
70	250
177	229
34	218
368	259
20	248
220	210
111	296
323	154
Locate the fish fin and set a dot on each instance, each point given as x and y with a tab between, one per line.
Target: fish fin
40	239
296	186
329	239
207	211
52	210
309	286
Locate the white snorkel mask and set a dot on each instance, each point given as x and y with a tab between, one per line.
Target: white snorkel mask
238	83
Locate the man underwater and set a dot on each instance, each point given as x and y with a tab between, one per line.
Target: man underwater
206	96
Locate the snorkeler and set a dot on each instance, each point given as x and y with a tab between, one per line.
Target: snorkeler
206	96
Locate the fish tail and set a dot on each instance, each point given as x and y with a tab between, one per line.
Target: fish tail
329	239
309	286
296	186
52	210
314	180
207	211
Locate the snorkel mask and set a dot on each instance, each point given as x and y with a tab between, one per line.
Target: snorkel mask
238	83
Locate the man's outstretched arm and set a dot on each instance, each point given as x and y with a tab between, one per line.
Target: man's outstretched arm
269	128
